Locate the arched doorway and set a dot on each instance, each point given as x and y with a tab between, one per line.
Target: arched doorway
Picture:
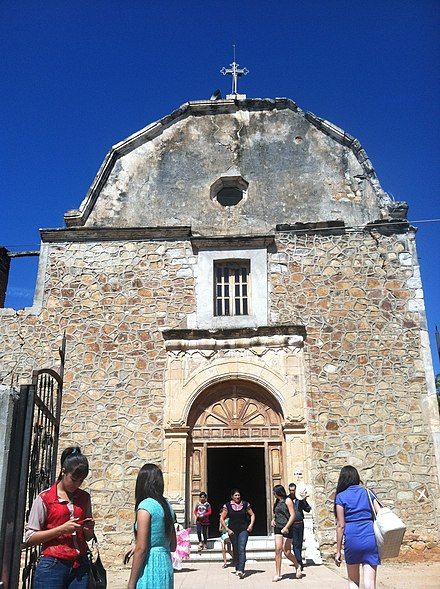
235	440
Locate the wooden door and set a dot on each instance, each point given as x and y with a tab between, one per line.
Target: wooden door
275	474
197	476
231	414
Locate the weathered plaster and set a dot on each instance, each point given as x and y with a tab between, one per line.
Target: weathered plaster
316	171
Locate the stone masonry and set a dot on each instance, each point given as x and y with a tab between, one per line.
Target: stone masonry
354	291
363	368
360	296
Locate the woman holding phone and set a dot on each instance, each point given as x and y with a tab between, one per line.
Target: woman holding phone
61	520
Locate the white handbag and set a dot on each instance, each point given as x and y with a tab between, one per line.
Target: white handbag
388	529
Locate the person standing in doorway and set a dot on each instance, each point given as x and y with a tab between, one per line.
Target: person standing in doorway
202	512
240	525
300	506
61	520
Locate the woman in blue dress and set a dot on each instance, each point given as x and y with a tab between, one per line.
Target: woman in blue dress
355	525
155	534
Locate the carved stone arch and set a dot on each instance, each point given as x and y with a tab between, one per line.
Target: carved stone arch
236	417
220	371
236	410
201	401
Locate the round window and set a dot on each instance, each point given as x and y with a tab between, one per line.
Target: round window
229	196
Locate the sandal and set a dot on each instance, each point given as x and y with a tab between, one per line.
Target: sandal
298	574
225	566
276	578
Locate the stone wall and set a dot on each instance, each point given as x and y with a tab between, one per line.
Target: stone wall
360	298
112	299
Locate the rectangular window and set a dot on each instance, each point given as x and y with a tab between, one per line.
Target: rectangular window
231	288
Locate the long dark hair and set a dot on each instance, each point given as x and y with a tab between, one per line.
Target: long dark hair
279	491
149	483
73	462
347	477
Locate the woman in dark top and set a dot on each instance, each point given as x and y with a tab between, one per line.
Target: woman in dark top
239	527
355	525
284	516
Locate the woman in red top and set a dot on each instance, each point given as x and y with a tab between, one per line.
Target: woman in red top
61	520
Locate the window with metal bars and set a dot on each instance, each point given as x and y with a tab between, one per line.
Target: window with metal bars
231	288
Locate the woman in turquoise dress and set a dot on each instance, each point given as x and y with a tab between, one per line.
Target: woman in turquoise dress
155	534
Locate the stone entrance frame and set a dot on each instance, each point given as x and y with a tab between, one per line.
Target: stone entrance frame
275	364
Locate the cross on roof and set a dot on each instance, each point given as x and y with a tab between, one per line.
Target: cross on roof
235	72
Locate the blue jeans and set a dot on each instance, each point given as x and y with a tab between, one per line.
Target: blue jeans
202	529
54	573
239	542
297	541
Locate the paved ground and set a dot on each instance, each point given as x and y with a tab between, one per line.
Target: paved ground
259	576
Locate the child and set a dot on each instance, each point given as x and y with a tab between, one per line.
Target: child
202	511
183	548
225	540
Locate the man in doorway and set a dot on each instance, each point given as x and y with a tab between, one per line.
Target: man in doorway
300	505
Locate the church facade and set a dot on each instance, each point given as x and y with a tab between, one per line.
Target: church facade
243	306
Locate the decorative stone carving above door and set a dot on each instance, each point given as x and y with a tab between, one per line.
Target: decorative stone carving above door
235	410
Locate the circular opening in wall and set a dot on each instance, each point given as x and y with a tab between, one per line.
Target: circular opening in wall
228	191
229	196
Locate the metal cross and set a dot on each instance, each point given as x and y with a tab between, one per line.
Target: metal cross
235	72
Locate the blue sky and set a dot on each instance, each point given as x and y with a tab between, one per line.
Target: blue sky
79	77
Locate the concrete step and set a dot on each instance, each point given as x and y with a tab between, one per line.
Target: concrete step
258	548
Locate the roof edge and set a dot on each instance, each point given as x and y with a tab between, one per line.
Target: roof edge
87	234
78	217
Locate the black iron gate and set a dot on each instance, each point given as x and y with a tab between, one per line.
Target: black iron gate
31	469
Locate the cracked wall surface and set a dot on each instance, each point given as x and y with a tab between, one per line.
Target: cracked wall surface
294	170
